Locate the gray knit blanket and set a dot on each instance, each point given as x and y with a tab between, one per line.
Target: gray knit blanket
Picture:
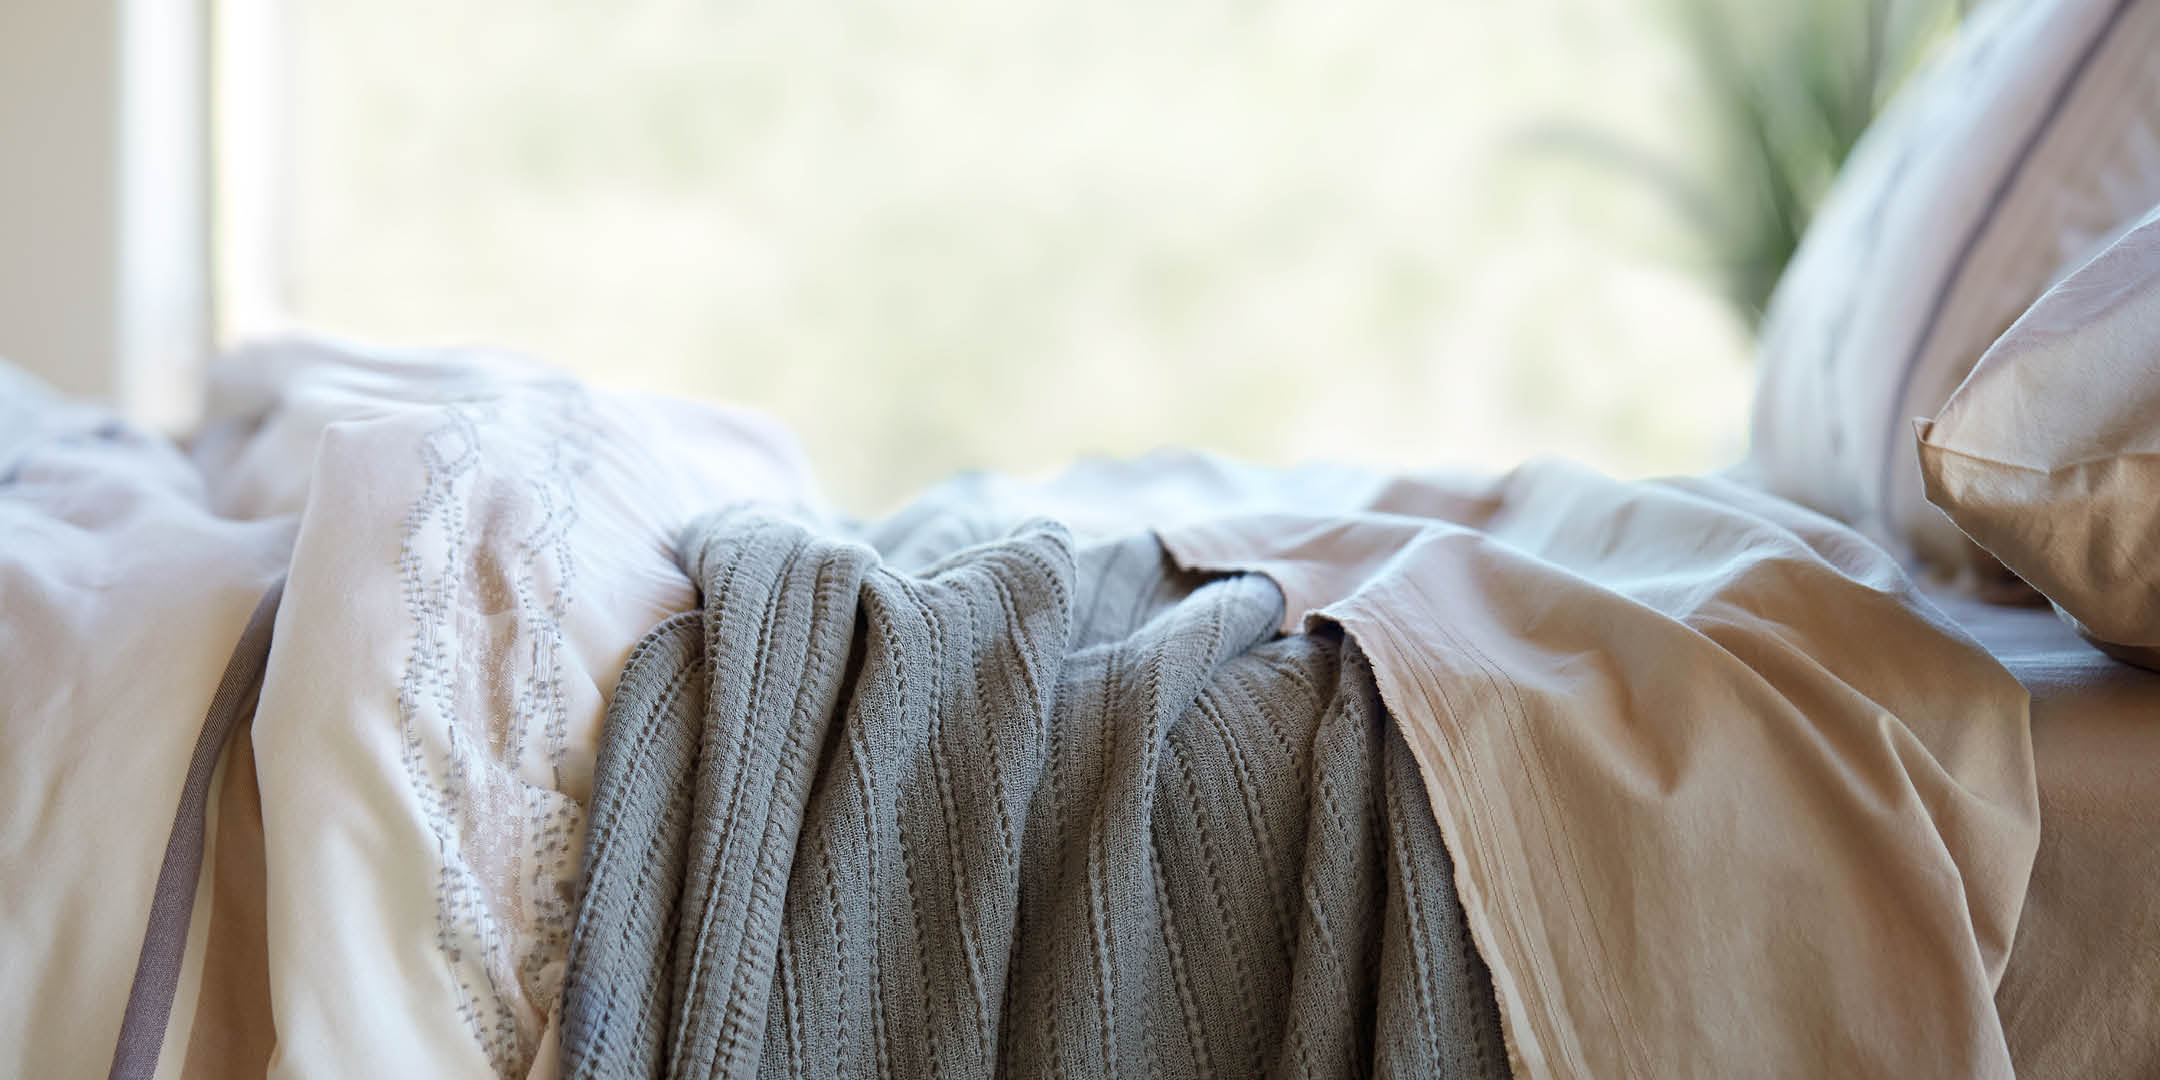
944	804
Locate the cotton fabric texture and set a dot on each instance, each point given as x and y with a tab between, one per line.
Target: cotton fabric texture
2049	455
2023	150
121	594
474	545
472	569
1727	796
2076	998
1723	793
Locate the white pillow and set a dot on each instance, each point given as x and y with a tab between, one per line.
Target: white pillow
2027	147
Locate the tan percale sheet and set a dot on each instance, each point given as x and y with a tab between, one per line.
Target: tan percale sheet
2081	997
1726	796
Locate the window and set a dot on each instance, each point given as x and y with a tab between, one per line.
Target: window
1002	233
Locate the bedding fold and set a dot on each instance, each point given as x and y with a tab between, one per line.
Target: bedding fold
121	594
1728	796
1023	807
1343	773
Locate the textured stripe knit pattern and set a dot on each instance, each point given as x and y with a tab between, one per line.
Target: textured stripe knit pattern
1018	807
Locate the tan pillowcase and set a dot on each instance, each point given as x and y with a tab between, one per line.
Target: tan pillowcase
2049	455
2028	146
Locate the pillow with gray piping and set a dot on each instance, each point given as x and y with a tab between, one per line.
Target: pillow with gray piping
2028	145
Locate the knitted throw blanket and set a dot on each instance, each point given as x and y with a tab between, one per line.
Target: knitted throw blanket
1023	809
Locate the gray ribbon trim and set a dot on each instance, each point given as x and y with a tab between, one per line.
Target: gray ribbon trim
172	905
1895	423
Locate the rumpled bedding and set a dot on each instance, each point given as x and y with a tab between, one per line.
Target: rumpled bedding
1022	807
1727	795
121	594
2077	998
478	548
472	547
1723	795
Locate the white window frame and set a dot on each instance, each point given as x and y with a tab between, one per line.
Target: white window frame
104	200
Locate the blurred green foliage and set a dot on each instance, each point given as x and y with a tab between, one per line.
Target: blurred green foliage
1785	91
1790	89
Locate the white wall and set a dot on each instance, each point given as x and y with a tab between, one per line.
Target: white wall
103	280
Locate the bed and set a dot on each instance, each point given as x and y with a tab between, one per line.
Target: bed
393	852
429	712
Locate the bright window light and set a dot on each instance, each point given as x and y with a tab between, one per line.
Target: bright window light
1002	233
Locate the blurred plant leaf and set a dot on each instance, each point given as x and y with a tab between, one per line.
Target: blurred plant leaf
1787	92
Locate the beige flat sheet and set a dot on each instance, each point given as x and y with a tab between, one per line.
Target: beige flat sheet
2081	995
1726	796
